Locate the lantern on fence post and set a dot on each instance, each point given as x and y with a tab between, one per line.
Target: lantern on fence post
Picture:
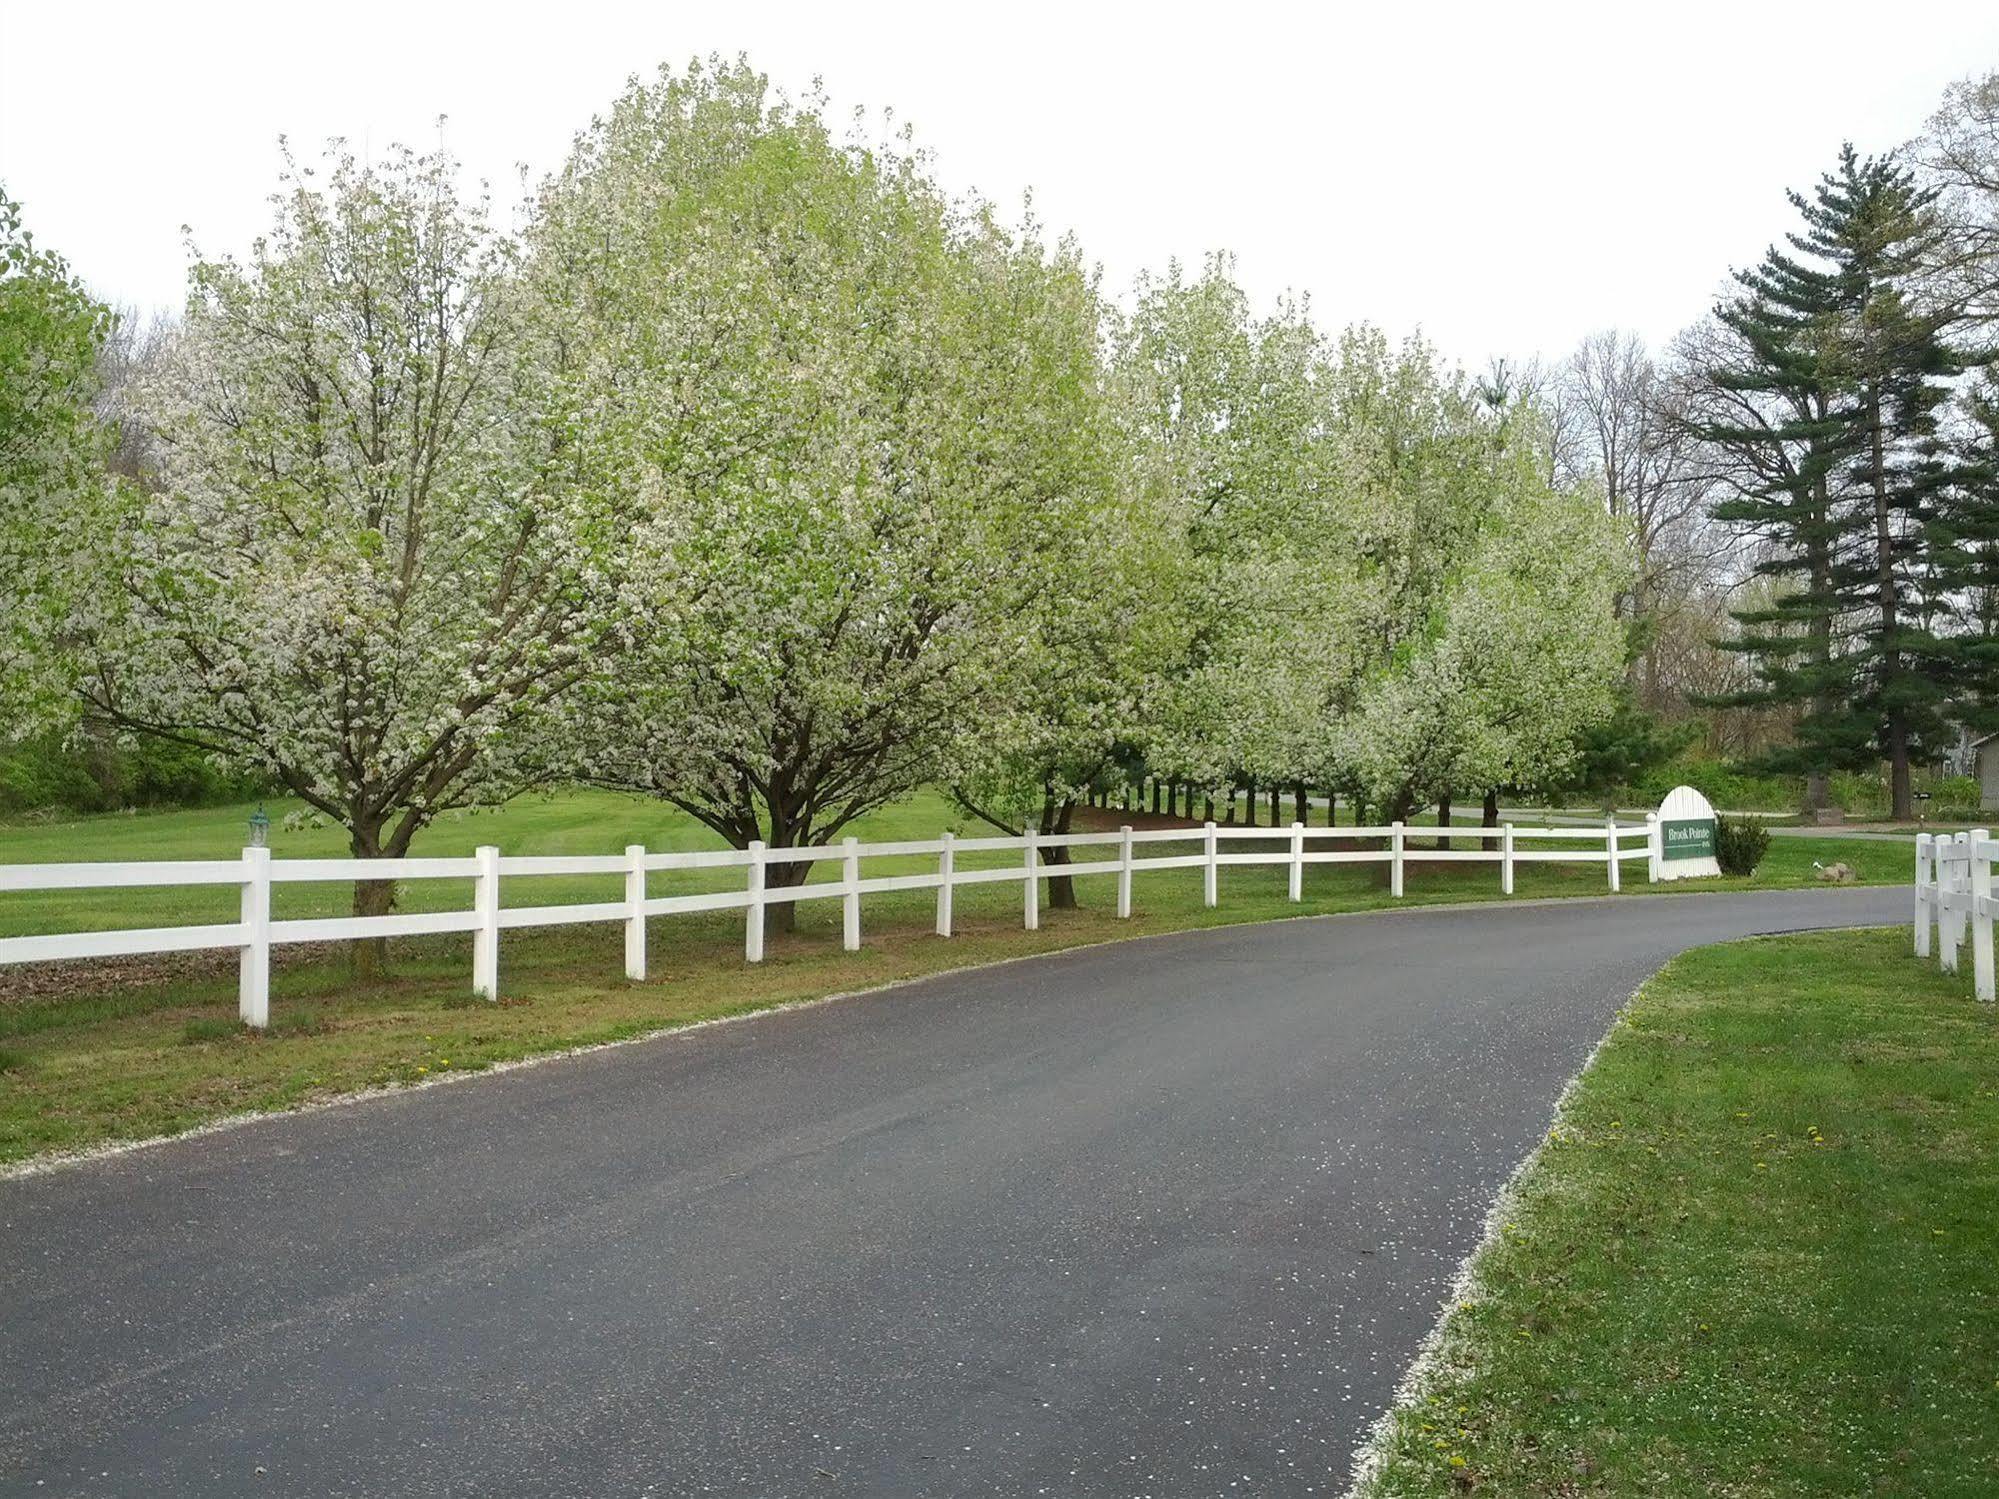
260	828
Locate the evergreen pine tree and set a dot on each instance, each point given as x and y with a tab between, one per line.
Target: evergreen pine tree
1889	359
1826	395
1767	409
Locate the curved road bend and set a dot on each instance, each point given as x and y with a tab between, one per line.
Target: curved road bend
1161	1218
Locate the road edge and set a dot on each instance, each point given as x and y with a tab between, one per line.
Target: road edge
54	1161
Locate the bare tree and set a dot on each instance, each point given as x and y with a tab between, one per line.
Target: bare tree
1957	156
1618	428
136	344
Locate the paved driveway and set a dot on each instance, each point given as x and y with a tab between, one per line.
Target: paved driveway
1161	1218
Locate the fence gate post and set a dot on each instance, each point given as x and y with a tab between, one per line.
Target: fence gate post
1506	858
1395	859
753	921
1655	848
635	904
1124	873
1981	917
1925	888
850	876
486	936
1030	857
947	861
253	988
1208	870
1297	861
1611	851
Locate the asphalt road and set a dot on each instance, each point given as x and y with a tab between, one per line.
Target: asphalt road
1162	1218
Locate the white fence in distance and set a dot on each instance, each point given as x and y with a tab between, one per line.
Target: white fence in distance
1954	901
1107	853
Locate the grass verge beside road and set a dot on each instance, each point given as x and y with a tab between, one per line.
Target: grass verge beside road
91	1060
1755	1256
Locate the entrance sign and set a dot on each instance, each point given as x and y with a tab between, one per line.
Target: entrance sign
1687	840
1686	836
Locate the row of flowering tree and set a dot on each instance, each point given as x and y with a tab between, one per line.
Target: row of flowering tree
754	472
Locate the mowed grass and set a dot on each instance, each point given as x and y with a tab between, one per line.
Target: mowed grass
1757	1256
111	1058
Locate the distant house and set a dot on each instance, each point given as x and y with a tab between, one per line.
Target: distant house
1985	756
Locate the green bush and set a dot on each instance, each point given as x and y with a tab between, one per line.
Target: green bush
1722	783
1954	798
1740	844
94	772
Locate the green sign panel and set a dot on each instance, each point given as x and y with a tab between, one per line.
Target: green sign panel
1688	840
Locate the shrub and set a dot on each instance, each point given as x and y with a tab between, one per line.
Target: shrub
92	771
1723	784
1740	844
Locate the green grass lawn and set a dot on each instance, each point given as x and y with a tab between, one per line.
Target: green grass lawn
133	1056
1758	1254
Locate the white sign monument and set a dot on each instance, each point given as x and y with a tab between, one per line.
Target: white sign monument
1687	831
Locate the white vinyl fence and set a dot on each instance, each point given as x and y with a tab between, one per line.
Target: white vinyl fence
1118	853
1954	897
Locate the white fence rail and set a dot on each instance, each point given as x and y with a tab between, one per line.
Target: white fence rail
1954	901
255	933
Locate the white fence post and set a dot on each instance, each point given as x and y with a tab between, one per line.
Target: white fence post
1925	891
253	988
1981	917
1947	903
947	863
486	937
1208	893
1611	850
1961	927
635	903
1124	873
850	877
1506	858
753	921
1030	856
1655	848
1297	861
1395	859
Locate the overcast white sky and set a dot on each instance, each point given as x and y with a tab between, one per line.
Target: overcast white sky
1507	177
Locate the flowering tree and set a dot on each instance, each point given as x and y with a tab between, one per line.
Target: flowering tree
51	459
848	404
1500	646
1103	605
1232	422
376	555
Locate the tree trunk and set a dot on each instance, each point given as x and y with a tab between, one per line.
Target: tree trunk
368	958
1444	822
1208	808
1155	796
1332	808
1249	804
1818	784
1304	803
1490	811
781	917
1061	887
1901	801
1276	805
